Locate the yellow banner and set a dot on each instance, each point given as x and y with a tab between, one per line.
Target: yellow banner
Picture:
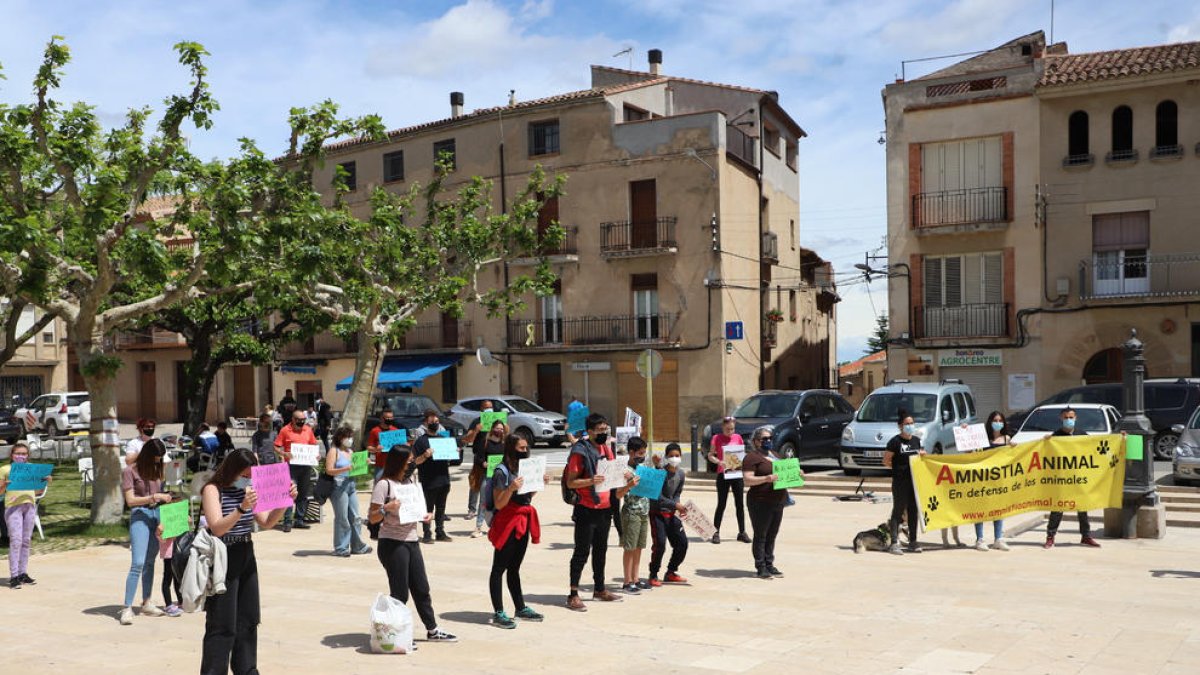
1062	473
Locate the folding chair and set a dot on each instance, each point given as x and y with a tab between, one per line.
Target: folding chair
173	474
86	474
199	479
37	519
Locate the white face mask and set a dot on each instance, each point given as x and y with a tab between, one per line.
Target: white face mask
674	461
347	443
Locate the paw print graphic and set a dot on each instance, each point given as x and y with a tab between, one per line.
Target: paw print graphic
926	519
933	503
1103	448
1113	461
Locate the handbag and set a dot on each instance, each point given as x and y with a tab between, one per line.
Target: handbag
324	488
373	528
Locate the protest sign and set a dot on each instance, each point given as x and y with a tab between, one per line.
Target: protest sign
174	518
971	438
358	463
577	419
492	462
533	471
733	456
789	473
613	471
444	448
1135	447
26	476
304	454
650	482
273	484
624	434
696	521
412	503
633	419
488	418
389	438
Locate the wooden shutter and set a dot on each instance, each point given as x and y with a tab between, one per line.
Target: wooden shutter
952	274
993	278
933	282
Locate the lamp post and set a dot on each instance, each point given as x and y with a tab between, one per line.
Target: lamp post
1139	490
887	272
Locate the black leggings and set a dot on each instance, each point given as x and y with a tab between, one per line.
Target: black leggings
168	582
904	501
231	621
508	559
435	503
723	488
667	529
406	573
766	517
591	537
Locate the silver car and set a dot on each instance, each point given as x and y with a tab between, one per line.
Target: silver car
525	418
1186	465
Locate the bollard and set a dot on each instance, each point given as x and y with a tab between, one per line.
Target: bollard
695	447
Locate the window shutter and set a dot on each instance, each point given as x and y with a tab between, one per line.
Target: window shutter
953	274
1121	231
993	278
933	282
973	274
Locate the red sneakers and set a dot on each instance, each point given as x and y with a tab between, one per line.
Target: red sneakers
1049	542
1088	541
673	578
654	582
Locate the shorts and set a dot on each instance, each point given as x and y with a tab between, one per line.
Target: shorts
634	531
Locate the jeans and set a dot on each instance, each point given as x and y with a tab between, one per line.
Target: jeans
997	528
766	518
406	574
1085	525
232	618
435	502
303	477
473	501
723	489
143	549
591	537
19	520
904	501
665	529
508	558
346	531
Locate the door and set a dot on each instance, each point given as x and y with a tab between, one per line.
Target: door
549	386
643	214
631	392
243	391
812	441
449	331
147	390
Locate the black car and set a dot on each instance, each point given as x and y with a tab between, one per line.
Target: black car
1168	402
808	423
409	411
10	427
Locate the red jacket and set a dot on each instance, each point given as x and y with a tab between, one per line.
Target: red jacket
514	519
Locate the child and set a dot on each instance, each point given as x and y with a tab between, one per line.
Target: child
665	524
166	550
20	511
635	521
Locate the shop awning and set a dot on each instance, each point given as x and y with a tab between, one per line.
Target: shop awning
406	371
302	367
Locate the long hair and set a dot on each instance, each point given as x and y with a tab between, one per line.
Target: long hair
756	437
397	467
342	432
511	460
149	464
232	466
1004	431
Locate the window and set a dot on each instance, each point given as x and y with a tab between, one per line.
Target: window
1166	129
48	336
771	139
645	306
347	172
962	182
450	384
543	138
1122	134
1077	138
444	150
473	405
547	218
790	151
792	305
393	166
634	113
1120	242
552	316
961	405
964	296
947	409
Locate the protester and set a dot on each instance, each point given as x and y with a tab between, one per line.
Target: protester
20	512
347	538
142	486
665	524
387	422
763	500
999	435
591	514
145	429
302	476
435	474
262	442
716	455
166	551
514	525
900	449
324	420
492	444
399	552
287	405
276	418
232	617
635	521
1067	418
476	440
224	441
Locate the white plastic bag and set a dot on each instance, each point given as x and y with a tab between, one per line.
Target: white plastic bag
391	626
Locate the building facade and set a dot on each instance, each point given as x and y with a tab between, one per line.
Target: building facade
39	366
859	378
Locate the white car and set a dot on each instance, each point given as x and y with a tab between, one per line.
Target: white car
525	418
56	413
1090	419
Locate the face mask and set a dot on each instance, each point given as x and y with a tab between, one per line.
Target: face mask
909	429
1069	423
601	439
766	444
241	483
523	455
432	427
634	461
347	443
385	423
674	461
20	459
299	424
997	426
149	433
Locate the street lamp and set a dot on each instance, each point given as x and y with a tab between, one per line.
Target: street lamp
888	273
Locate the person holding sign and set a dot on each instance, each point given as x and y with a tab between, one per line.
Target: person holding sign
387	422
485	450
1067	416
20	512
900	449
475	438
142	486
591	514
665	524
514	525
635	521
297	432
999	435
764	501
398	551
435	474
725	485
346	536
231	619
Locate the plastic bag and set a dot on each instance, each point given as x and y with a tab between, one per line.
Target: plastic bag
391	626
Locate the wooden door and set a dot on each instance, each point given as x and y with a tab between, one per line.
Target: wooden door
449	331
547	217
631	392
549	386
147	390
243	391
643	214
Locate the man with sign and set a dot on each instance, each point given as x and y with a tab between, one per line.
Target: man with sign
665	523
1085	527
592	516
434	474
297	432
387	422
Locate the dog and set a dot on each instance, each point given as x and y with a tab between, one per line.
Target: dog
878	539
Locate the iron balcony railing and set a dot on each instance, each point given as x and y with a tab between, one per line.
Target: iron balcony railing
960	207
590	330
1128	155
1166	151
980	320
1119	275
1085	159
148	338
626	237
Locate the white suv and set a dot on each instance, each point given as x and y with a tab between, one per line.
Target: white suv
56	412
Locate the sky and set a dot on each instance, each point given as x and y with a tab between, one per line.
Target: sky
828	59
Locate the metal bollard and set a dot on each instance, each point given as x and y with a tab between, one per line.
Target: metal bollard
695	447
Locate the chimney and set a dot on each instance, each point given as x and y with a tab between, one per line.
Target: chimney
456	104
655	61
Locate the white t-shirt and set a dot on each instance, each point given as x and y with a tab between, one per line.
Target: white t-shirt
134	446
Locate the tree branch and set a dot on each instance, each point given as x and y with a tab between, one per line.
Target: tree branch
172	293
12	341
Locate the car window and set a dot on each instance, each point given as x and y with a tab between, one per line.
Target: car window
1112	415
1160	397
768	405
1049	419
1114	396
947	407
970	404
1194	422
77	400
523	405
811	406
960	404
887	407
843	406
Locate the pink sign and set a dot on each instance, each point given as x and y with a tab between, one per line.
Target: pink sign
273	483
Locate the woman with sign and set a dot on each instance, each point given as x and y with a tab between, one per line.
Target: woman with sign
347	538
490	445
141	483
764	501
20	511
716	455
514	524
902	448
999	435
231	618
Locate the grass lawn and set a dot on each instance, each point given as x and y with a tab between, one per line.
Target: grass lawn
64	519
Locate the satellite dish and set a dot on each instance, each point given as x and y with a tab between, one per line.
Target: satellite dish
484	356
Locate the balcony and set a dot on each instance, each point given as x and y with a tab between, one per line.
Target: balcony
960	207
1071	161
590	331
150	338
1128	156
423	336
963	321
323	345
566	251
1139	276
1166	152
627	239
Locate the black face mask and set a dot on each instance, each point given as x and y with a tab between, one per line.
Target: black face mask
299	424
148	432
432	427
601	439
523	455
385	423
634	461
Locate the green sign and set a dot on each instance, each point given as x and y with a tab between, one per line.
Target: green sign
1135	447
489	417
358	463
789	474
492	462
174	518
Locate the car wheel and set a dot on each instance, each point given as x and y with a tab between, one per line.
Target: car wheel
1164	445
788	449
526	434
557	442
51	429
847	471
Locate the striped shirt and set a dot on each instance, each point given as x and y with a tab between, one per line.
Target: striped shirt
231	498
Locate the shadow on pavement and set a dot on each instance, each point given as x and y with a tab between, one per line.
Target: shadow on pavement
725	574
481	618
110	611
310	553
552	600
361	641
560	546
1174	574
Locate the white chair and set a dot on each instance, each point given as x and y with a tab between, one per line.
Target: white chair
86	475
173	474
37	519
238	427
199	479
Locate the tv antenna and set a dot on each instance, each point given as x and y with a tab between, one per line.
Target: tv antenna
628	51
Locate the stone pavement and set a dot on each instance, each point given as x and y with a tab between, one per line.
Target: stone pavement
1129	607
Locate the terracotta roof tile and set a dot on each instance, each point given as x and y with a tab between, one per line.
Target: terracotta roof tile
857	366
1119	63
653	77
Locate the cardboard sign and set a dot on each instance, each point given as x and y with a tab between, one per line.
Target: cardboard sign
492	462
577	420
789	473
1135	447
26	476
489	417
358	463
175	519
650	482
971	438
273	484
613	471
633	419
444	449
733	456
695	520
533	471
305	454
412	503
624	434
389	438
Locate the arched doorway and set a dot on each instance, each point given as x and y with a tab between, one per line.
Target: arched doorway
1104	366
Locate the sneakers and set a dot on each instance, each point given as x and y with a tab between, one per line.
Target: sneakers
774	571
716	538
1049	541
149	609
470	514
126	616
1001	545
501	620
363	551
643	585
284	527
439	635
914	548
980	545
173	611
575	603
763	573
655	583
672	578
444	537
606	596
427	539
526	613
631	589
14	582
26	579
301	525
743	537
894	549
477	533
1086	541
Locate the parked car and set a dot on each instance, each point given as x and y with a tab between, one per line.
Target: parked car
525	418
1090	418
56	412
409	411
808	423
10	424
1185	464
936	408
1169	402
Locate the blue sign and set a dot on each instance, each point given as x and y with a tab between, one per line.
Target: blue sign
389	438
733	330
650	482
577	419
25	476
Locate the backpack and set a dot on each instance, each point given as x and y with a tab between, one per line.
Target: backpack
181	552
569	496
488	495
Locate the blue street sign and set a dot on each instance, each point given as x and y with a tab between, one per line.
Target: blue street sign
733	330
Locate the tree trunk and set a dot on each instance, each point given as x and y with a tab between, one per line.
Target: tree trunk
367	363
199	374
108	504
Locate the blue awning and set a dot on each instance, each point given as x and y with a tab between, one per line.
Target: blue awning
302	367
407	371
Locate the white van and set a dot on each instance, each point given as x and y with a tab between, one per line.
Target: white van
936	408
